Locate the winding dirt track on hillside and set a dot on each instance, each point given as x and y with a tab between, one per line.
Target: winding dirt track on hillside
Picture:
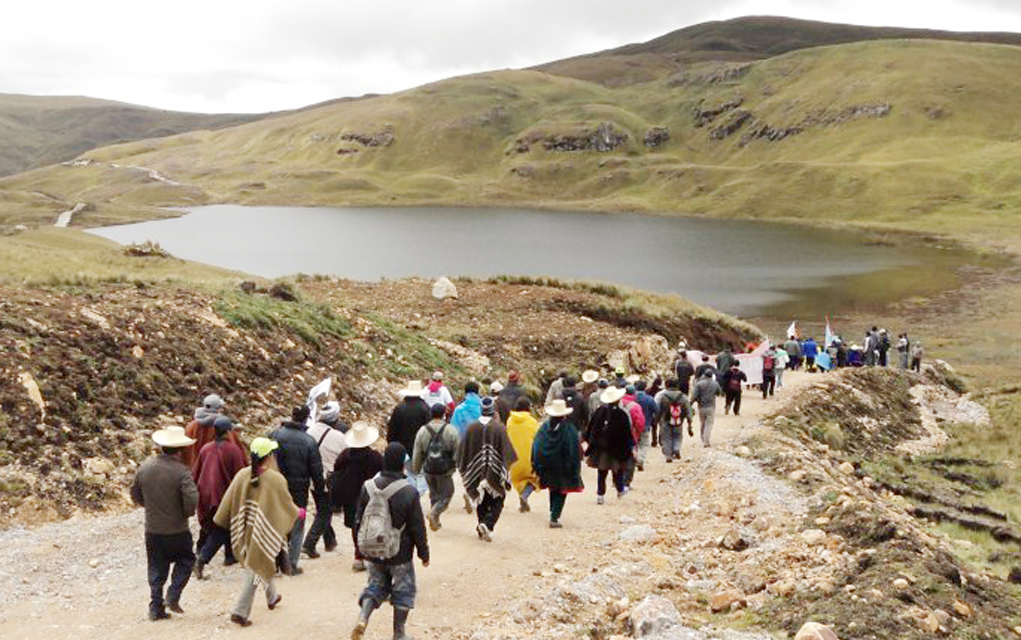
58	594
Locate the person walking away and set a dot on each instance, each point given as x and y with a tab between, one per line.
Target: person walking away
259	513
780	361
202	431
884	347
810	350
300	463
704	395
575	399
768	372
355	464
611	443
793	349
589	385
556	388
556	458
521	429
406	419
650	414
674	409
724	359
637	417
733	384
218	462
595	401
706	366
469	410
391	529
484	458
917	353
331	441
434	456
507	399
904	351
872	347
684	371
163	486
438	393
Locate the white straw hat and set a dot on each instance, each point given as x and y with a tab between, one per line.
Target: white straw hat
496	387
633	378
361	434
589	376
172	437
611	395
558	408
414	388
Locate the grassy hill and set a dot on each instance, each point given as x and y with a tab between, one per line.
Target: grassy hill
917	134
41	130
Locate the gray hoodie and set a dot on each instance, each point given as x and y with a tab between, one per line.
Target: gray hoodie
666	398
449	439
704	392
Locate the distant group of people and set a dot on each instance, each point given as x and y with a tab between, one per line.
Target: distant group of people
252	502
873	352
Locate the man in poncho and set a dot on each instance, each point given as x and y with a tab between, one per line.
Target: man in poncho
521	429
611	443
202	431
556	458
259	512
485	455
219	461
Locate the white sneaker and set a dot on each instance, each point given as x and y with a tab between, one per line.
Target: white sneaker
483	531
599	499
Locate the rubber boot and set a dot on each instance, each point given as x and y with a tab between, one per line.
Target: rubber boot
400	621
363	619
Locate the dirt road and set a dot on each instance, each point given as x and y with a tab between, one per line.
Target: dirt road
85	578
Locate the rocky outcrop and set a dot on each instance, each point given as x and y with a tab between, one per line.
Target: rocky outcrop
607	136
718	75
823	118
704	116
383	138
731	126
657	136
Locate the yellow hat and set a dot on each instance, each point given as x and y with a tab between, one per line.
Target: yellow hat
262	447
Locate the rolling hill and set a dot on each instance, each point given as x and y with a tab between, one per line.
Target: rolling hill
40	130
913	133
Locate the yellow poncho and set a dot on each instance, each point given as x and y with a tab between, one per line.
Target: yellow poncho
521	429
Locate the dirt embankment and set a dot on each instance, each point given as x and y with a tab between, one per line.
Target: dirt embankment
86	376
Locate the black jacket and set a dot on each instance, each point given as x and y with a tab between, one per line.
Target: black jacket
405	511
576	401
299	460
353	467
507	399
405	421
684	371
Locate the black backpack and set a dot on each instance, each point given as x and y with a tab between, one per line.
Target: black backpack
437	461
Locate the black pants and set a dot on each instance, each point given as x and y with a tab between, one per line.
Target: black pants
162	550
489	510
768	384
619	481
216	538
733	398
322	526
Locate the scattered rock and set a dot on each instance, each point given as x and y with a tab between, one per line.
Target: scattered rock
900	584
283	291
743	452
798	475
443	288
815	631
733	540
1015	575
962	609
813	536
641	533
30	385
846	468
724	600
929	624
656	136
137	351
94	563
653	615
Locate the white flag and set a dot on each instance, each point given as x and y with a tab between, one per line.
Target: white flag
792	331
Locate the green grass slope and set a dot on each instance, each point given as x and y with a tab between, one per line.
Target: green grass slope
915	134
40	130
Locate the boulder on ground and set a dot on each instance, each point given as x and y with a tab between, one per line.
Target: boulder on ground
724	600
815	631
641	533
653	615
443	288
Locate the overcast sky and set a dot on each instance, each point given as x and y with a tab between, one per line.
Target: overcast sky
263	55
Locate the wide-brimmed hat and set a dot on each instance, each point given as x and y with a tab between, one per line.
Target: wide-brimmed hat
414	388
558	408
611	395
172	437
361	434
619	372
496	387
437	375
633	378
589	376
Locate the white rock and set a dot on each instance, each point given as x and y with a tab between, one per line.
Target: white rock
654	615
641	533
813	536
743	452
443	288
815	631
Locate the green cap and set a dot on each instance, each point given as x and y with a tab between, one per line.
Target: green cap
262	447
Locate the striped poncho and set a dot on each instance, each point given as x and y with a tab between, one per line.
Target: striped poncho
486	454
259	519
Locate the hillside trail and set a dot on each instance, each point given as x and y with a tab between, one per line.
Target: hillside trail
85	578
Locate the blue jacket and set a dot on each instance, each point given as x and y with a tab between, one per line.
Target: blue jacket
809	348
649	408
466	413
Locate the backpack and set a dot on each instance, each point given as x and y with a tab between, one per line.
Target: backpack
734	383
676	412
437	461
377	537
768	363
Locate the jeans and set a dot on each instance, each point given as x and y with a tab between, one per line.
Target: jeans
416	480
393	582
489	510
243	607
162	550
217	538
643	446
768	385
557	500
618	481
322	524
671	437
706	417
733	398
294	540
441	490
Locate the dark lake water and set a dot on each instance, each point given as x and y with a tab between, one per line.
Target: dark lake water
737	266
